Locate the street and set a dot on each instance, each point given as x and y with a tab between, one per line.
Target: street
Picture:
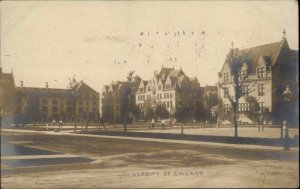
138	163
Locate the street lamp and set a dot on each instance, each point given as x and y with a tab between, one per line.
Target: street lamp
287	94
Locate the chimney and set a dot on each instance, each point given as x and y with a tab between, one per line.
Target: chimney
21	84
46	85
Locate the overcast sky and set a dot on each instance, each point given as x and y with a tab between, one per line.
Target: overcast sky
100	42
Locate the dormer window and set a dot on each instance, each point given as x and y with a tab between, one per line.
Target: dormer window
168	86
226	77
159	87
141	89
243	74
261	72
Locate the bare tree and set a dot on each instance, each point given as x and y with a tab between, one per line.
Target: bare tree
73	84
240	67
127	103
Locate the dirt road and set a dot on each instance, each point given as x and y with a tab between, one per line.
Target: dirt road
128	163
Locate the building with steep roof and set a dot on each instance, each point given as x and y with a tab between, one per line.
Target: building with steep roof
169	87
46	104
273	67
114	99
8	103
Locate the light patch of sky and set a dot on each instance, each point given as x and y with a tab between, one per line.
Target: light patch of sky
100	42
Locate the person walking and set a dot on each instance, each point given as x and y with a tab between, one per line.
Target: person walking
152	123
60	124
53	122
286	142
163	125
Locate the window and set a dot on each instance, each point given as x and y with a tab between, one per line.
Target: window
242	74
168	86
261	105
261	89
167	104
142	89
159	87
225	92
44	109
261	72
154	92
245	90
54	109
171	104
226	108
170	95
243	107
69	109
226	77
54	102
69	102
44	101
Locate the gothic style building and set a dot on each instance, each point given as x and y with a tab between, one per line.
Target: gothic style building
114	100
169	87
273	70
7	98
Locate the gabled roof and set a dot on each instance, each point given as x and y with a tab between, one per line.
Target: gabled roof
145	82
175	73
81	85
165	70
268	52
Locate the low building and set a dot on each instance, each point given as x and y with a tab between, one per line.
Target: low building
46	104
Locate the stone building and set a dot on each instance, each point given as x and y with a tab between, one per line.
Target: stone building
273	68
169	87
7	98
46	104
114	100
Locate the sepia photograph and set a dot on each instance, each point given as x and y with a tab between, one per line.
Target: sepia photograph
149	94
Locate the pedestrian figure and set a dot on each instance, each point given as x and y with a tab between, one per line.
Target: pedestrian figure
218	122
60	124
86	125
162	124
152	123
53	122
194	122
286	144
206	122
261	121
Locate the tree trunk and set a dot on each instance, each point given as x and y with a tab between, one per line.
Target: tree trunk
75	124
235	123
125	129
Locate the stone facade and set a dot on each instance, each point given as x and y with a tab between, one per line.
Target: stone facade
168	87
273	67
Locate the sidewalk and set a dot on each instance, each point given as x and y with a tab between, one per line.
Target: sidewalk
201	143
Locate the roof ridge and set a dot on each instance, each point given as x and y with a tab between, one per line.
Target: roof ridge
269	44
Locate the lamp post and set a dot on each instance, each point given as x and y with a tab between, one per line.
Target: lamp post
287	94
